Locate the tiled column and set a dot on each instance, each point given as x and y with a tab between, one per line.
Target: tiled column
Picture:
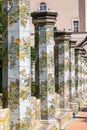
72	45
16	62
82	73
85	74
33	71
78	64
62	47
56	60
44	69
82	70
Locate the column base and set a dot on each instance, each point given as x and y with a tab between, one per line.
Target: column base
51	124
81	101
65	117
74	107
4	119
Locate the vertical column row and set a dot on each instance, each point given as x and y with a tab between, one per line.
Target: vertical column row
16	62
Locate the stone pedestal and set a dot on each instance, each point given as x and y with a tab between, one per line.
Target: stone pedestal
44	64
62	66
17	62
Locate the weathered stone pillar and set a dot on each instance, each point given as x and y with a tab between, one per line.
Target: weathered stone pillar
62	49
44	69
72	45
16	62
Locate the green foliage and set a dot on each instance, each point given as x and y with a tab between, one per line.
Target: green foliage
0	16
32	54
1	55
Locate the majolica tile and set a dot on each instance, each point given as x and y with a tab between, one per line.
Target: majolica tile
18	15
62	61
17	62
78	71
45	59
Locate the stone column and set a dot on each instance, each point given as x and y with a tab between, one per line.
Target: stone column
62	61
72	45
44	68
16	62
78	74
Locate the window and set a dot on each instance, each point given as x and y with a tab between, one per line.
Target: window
76	26
43	6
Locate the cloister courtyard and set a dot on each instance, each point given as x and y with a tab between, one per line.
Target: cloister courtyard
50	91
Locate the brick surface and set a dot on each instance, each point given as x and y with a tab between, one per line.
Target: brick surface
81	122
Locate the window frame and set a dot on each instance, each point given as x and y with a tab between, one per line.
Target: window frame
76	26
43	6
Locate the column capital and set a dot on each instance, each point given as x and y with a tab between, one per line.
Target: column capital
80	50
85	57
44	17
62	35
72	43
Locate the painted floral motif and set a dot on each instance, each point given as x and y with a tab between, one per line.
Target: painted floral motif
15	53
77	74
46	60
45	68
23	126
15	13
72	73
62	59
13	95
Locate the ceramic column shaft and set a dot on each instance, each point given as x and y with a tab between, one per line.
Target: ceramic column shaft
16	62
72	45
62	48
44	64
78	67
85	74
83	67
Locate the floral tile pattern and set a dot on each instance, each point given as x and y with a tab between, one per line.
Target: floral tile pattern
72	72
62	70
77	72
45	70
83	74
17	62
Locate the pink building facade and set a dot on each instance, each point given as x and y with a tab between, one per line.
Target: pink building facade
71	13
72	16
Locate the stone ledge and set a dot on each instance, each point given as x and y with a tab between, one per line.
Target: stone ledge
64	119
51	124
